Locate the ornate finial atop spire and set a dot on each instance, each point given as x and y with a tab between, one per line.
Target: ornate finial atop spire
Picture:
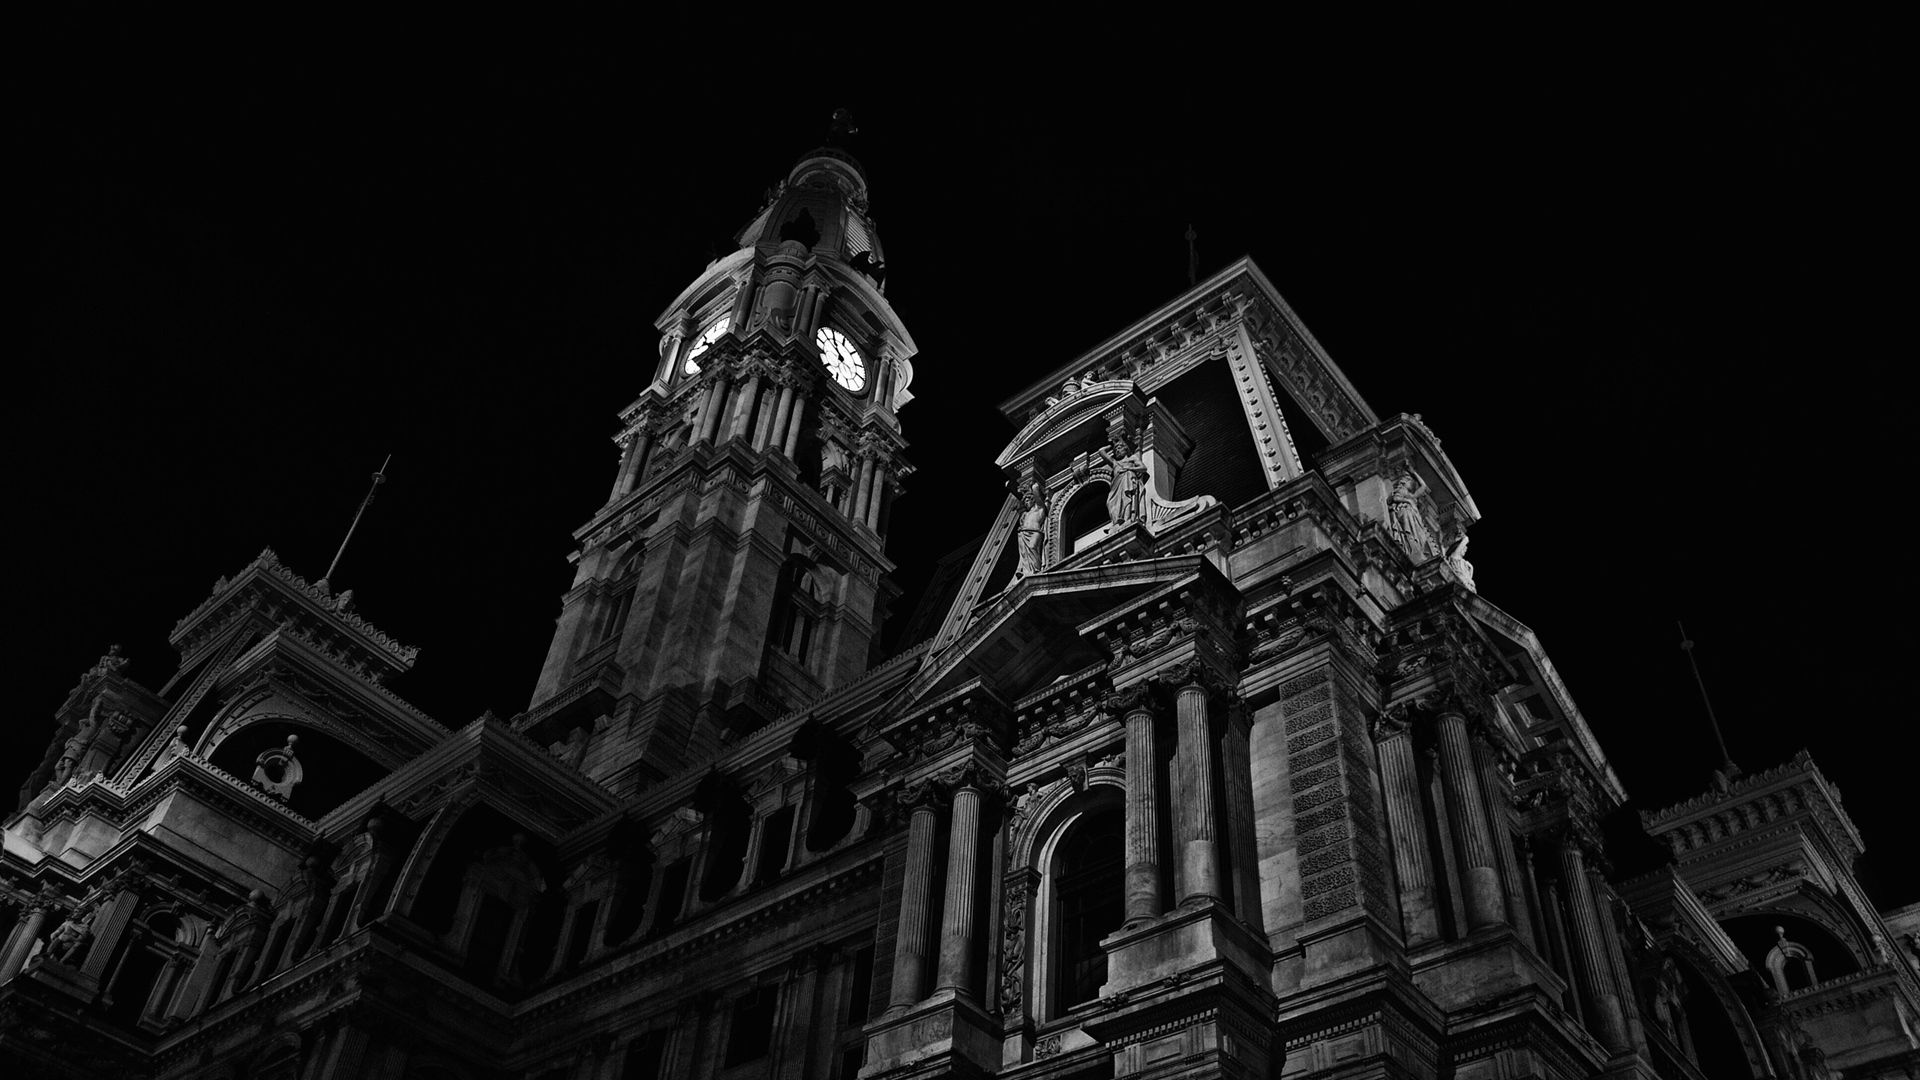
842	128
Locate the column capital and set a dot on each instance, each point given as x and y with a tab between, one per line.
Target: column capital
1133	699
1192	675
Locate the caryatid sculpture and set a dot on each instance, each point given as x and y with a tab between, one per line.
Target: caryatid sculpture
1127	489
1404	519
1031	533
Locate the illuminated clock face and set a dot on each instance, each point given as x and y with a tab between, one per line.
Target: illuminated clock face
842	359
705	341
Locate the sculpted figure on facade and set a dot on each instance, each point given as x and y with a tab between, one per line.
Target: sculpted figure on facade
1128	487
67	938
1405	520
1031	533
76	748
1457	560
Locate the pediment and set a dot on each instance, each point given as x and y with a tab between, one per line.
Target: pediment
1031	634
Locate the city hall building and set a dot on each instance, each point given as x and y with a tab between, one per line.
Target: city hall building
1208	762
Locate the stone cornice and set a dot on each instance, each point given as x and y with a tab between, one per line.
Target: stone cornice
268	583
1792	788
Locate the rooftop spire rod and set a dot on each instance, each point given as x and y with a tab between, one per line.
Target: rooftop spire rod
1686	646
1193	258
378	479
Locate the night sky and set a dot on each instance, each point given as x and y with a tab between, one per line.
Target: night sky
1640	279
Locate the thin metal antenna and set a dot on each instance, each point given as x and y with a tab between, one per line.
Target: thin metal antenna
378	479
1193	258
1686	646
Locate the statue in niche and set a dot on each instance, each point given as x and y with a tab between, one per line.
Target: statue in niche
1128	488
64	943
1405	520
1031	533
1457	560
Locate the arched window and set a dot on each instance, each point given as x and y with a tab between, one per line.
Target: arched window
799	605
1083	522
1089	886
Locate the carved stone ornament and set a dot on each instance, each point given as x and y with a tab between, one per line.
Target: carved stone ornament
1030	533
63	946
1406	521
278	771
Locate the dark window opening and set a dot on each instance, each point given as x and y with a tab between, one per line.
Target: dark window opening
629	899
1092	885
491	925
581	935
1223	462
751	1034
673	893
729	823
1083	518
271	959
616	617
776	836
860	1001
337	917
801	227
134	983
644	1057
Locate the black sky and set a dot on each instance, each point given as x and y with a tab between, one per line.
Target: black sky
1640	279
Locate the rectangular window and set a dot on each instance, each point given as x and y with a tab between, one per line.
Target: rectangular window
776	836
751	1034
582	933
644	1057
673	893
860	1001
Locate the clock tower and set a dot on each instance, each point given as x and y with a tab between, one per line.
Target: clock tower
737	569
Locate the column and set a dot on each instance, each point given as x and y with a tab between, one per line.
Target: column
1562	951
1143	814
863	482
23	939
1493	787
783	409
793	427
1193	829
879	491
963	870
1590	950
109	925
910	941
796	1018
1479	875
710	412
743	409
1400	784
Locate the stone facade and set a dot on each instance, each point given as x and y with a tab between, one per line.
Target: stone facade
1216	766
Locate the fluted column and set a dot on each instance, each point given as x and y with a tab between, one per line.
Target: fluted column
710	412
1400	785
743	409
910	939
963	871
792	448
874	500
632	461
1143	810
1194	834
1493	789
23	940
782	410
1589	949
1480	876
857	508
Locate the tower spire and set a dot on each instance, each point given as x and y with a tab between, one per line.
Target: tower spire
1728	770
379	478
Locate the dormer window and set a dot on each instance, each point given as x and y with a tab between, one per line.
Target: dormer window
704	342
